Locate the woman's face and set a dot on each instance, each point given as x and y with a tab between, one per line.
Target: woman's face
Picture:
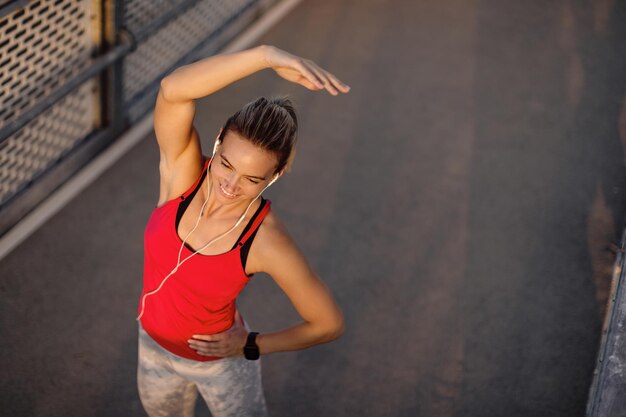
240	170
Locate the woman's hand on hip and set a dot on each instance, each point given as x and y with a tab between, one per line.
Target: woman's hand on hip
303	71
225	344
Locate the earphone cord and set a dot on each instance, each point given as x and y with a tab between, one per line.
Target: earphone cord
180	251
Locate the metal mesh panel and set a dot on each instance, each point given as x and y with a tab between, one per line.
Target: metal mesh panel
47	45
173	41
41	46
138	13
36	146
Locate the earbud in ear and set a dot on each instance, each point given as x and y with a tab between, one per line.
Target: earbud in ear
276	177
217	144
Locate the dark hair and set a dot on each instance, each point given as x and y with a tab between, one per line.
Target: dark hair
270	124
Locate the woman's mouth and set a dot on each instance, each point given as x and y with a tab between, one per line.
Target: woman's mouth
226	193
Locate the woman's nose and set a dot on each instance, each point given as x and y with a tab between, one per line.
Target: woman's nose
231	182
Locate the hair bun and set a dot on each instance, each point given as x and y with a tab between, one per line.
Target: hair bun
286	103
270	123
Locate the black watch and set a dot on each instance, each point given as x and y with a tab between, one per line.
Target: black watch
251	350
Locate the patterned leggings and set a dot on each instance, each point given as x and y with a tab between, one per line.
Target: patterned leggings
169	385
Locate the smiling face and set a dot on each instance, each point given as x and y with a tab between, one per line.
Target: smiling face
240	170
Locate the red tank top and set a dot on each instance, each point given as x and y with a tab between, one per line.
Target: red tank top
199	298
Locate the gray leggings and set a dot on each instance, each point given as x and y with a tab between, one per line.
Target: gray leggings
169	385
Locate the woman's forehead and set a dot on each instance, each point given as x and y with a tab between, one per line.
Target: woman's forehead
244	154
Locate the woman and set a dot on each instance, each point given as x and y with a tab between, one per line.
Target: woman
211	231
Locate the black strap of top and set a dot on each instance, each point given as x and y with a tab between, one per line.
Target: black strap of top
185	201
245	246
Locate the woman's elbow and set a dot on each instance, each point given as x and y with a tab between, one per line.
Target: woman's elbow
166	89
335	328
170	88
339	330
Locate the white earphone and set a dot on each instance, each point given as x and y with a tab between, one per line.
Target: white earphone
237	223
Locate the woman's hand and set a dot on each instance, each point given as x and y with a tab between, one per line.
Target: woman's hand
225	344
302	71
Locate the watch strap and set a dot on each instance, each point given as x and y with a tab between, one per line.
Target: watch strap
251	349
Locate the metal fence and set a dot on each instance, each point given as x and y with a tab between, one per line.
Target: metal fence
75	73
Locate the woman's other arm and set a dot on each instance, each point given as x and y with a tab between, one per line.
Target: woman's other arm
274	252
322	322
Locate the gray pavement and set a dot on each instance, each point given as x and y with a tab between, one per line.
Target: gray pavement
460	202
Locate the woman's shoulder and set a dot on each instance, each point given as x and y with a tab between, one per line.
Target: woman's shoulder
273	247
272	235
272	228
177	180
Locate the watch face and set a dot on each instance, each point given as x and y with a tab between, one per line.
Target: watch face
251	352
251	349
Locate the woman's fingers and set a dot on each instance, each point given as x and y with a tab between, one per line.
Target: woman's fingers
322	76
205	344
304	72
344	88
308	84
213	348
296	76
329	81
226	343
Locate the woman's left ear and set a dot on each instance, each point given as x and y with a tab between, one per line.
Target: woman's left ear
217	142
276	177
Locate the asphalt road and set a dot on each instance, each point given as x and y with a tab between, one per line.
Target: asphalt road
460	202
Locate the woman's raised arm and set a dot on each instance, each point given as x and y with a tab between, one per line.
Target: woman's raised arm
179	144
209	75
